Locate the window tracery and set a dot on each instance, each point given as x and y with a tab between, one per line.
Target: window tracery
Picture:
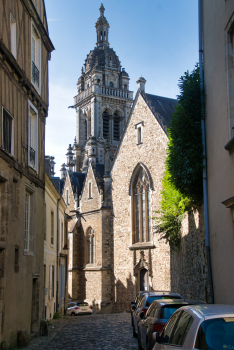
141	208
90	246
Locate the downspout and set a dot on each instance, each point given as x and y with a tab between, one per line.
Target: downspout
205	191
57	249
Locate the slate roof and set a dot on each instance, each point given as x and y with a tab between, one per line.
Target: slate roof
163	106
98	171
58	184
77	181
102	54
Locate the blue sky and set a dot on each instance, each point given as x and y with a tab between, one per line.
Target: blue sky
157	39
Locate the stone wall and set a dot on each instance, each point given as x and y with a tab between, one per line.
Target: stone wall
129	259
189	274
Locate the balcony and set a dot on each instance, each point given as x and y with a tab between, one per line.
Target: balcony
32	156
103	90
35	75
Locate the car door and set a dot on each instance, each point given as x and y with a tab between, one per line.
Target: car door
175	339
147	322
167	333
137	311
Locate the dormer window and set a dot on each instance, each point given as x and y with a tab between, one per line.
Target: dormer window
111	84
139	130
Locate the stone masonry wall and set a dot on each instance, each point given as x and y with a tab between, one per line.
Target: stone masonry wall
189	274
152	154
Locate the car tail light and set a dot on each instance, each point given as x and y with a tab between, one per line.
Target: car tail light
90	307
158	327
144	310
76	307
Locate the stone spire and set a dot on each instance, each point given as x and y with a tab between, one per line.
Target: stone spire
102	28
70	162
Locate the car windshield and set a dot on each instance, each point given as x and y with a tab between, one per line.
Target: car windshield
150	299
168	310
216	334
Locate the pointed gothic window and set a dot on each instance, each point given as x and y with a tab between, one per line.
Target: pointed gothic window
116	127
141	207
90	246
105	125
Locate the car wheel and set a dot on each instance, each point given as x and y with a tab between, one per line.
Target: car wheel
139	341
73	314
134	333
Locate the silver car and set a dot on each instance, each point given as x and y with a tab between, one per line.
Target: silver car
203	327
79	308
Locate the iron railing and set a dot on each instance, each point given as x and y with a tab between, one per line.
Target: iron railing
35	74
32	156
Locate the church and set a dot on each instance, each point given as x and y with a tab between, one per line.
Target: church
112	184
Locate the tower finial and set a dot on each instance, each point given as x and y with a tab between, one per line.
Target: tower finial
102	9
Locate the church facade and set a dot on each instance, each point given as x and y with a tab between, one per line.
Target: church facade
112	184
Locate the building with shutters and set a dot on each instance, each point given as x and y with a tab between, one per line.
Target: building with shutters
25	48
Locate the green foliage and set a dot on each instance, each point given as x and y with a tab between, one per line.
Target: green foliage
185	150
173	207
182	182
56	315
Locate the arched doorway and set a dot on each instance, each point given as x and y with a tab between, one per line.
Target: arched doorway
144	279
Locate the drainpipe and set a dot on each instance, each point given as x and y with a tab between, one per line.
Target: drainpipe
57	250
205	192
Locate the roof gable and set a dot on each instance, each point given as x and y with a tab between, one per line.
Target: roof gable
161	107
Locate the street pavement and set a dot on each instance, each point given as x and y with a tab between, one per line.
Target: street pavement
93	332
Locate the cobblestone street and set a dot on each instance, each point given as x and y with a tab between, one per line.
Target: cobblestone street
95	332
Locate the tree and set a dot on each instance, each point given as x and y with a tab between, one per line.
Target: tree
185	150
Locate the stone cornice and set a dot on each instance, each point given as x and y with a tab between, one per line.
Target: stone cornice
43	33
18	75
142	246
230	146
229	203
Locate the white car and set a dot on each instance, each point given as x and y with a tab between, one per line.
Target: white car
203	327
79	308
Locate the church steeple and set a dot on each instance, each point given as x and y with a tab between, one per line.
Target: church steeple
102	28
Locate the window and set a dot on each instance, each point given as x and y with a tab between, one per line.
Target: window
51	281
141	207
36	58
90	189
67	196
181	329
8	140
32	137
13	36
52	227
91	246
116	127
216	333
52	292
26	221
16	259
139	135
167	332
111	84
105	125
62	245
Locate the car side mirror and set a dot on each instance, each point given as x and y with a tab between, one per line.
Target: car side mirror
142	314
133	307
156	337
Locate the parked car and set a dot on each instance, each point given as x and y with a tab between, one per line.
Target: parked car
155	319
204	327
145	302
79	308
136	301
